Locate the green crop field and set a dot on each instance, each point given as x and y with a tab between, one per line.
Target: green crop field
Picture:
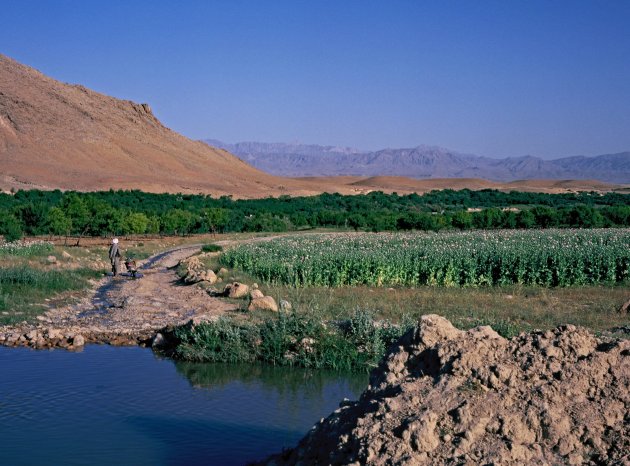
474	258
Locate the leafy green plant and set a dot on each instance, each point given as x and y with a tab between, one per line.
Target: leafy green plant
211	247
292	339
452	259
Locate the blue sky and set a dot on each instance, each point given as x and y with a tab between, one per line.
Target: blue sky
495	78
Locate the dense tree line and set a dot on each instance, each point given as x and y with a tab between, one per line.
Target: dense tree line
134	212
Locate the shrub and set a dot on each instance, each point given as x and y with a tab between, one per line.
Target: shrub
211	248
290	339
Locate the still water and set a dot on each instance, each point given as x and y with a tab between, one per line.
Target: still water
125	406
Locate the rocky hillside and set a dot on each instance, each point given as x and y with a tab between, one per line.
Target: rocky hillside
445	396
56	135
423	162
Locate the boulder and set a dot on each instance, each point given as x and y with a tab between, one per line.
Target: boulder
222	271
285	305
236	290
66	255
53	333
266	303
158	341
51	260
78	340
209	276
255	294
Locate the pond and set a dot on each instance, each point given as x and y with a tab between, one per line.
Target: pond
126	406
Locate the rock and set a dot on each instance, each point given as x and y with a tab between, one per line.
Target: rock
254	286
306	344
236	290
285	305
266	303
78	340
32	335
255	294
625	308
209	276
53	333
158	341
51	260
66	255
222	271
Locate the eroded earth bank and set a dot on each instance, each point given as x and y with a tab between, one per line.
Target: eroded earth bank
445	396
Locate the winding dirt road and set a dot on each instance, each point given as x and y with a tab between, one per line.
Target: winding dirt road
122	310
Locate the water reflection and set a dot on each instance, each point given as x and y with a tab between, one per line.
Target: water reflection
285	380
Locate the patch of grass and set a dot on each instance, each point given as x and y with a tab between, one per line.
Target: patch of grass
211	248
293	339
23	289
509	310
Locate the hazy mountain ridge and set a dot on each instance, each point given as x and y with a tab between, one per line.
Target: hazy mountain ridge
422	162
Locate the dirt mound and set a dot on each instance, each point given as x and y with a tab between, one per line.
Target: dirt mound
446	396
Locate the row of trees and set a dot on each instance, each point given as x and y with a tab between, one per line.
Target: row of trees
135	212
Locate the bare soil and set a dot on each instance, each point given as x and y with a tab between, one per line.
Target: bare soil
445	396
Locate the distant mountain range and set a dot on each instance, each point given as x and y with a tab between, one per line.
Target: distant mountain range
301	160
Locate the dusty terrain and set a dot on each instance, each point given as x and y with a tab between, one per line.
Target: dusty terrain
122	310
445	396
56	135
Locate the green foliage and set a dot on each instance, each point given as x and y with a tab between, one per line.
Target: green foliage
290	339
10	227
215	219
58	222
177	221
526	257
211	248
134	212
136	223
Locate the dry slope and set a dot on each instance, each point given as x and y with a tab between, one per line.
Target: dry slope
56	135
446	396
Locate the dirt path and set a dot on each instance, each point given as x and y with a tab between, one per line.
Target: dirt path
123	310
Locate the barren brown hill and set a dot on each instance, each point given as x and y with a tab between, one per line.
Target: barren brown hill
403	185
56	135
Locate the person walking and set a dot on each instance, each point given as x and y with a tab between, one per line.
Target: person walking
115	256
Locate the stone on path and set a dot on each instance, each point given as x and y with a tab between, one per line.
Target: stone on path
236	290
266	303
255	294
